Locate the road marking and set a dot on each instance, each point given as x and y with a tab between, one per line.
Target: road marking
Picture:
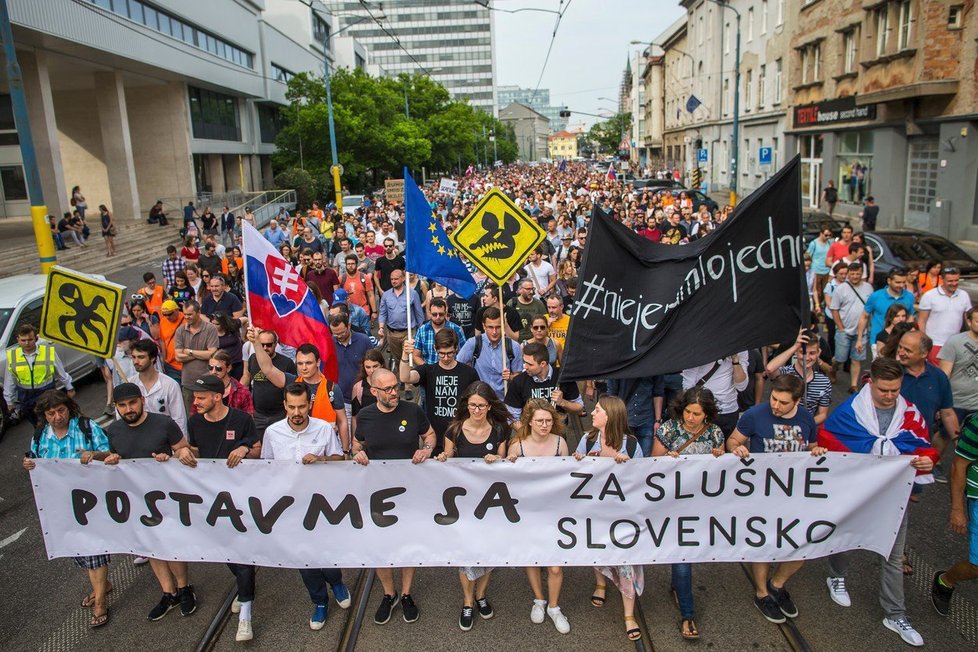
13	537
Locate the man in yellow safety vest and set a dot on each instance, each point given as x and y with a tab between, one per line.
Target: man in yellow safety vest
32	369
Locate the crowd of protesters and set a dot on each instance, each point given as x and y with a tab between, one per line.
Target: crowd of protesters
190	368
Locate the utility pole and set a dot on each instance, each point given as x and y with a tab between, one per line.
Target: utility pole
18	101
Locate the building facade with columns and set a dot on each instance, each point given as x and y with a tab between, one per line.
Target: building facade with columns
139	100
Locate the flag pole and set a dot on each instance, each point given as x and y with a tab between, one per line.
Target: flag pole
409	291
244	259
502	341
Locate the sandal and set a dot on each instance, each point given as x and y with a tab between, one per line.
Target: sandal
598	600
89	600
99	620
907	568
633	633
687	629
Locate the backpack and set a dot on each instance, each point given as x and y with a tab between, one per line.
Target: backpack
631	443
84	424
510	352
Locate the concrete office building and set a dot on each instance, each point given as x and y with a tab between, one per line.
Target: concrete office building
139	100
451	40
536	99
531	128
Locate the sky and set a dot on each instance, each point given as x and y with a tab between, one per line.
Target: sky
589	51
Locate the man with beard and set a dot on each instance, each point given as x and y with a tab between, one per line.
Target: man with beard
144	434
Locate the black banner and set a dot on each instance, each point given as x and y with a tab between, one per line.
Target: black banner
646	308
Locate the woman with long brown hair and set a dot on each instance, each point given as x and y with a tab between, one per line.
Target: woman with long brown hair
609	437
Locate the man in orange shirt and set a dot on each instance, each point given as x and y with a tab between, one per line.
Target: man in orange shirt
359	286
152	292
171	317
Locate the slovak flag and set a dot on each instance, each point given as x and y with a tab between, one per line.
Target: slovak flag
278	299
611	172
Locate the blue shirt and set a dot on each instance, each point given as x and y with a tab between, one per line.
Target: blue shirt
348	359
277	236
393	310
358	317
767	433
819	252
424	340
930	392
49	447
879	302
489	366
639	394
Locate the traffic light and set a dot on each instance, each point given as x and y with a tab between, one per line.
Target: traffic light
699	143
697	178
564	113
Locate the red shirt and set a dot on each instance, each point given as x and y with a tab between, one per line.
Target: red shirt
191	254
357	288
326	281
837	251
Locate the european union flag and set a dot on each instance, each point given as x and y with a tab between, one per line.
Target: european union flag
692	103
428	251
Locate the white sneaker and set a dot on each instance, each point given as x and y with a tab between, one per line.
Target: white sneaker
244	631
537	613
560	620
906	631
236	606
139	561
838	592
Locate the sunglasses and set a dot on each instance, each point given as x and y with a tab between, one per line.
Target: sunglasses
215	367
950	270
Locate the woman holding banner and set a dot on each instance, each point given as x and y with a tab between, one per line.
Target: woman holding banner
480	429
609	437
541	435
690	431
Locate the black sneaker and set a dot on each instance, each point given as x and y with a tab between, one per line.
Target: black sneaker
187	599
384	610
768	607
785	603
409	609
167	602
485	609
940	595
465	619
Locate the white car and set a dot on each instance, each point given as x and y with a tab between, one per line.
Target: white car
21	298
351	203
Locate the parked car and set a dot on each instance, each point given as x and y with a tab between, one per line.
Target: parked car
655	184
813	221
21	298
913	250
351	203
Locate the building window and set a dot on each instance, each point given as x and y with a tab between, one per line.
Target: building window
8	129
760	86
906	21
750	24
803	54
13	182
855	161
699	31
158	20
849	51
955	17
882	30
214	116
763	16
748	89
778	65
726	38
780	12
817	62
726	96
320	29
280	74
270	122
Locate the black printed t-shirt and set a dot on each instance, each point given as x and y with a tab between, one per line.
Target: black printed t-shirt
391	435
216	439
442	388
156	434
266	397
524	387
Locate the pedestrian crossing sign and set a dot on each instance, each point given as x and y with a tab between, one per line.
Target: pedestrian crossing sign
497	236
81	312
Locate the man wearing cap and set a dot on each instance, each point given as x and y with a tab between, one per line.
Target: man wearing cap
359	320
143	434
119	368
171	318
275	235
195	342
300	437
217	431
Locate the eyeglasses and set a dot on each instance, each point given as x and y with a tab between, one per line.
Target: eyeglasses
446	354
215	367
268	345
386	390
478	407
538	328
950	270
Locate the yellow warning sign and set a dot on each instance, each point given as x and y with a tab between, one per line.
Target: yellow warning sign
497	236
81	312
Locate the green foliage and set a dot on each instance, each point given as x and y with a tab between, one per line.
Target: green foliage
382	124
608	134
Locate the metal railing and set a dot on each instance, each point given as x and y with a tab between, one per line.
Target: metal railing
266	205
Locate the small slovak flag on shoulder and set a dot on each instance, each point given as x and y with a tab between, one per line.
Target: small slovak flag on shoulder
280	300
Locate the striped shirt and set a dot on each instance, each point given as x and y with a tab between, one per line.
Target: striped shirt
49	447
818	392
967	448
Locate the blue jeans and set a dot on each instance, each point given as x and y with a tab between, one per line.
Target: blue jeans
643	432
317	580
682	583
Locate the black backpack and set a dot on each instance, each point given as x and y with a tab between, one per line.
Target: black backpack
84	424
631	444
510	352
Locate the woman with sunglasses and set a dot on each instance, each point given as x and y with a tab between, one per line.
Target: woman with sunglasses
480	429
229	340
540	333
236	395
541	435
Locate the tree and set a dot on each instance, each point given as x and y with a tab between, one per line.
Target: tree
608	134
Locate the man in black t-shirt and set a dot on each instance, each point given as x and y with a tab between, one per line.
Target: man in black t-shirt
443	383
220	300
218	431
142	434
538	381
463	311
391	430
386	264
266	395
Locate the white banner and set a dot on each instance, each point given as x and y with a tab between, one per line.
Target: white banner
448	186
537	511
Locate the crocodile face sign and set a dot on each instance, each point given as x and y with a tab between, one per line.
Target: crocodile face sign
497	242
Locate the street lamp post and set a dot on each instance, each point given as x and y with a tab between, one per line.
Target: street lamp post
736	106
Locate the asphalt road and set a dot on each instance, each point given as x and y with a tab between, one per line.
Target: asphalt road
39	600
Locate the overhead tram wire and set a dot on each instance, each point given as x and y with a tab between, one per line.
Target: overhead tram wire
553	37
394	38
